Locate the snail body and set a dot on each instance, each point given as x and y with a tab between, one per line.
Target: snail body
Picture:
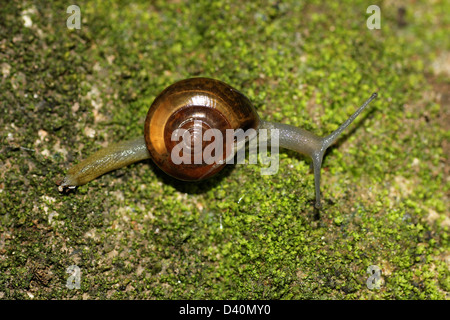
191	107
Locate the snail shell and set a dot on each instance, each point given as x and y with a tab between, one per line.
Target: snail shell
195	105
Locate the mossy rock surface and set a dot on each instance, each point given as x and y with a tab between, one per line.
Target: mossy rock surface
138	234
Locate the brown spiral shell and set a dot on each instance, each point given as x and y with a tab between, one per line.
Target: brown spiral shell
195	104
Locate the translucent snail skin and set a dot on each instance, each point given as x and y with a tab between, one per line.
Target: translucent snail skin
195	105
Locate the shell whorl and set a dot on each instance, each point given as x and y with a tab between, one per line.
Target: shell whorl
196	105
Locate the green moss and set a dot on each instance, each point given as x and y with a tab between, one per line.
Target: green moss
137	233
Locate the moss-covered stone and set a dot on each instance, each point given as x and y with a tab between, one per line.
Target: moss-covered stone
137	233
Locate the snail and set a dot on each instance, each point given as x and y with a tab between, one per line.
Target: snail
193	106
